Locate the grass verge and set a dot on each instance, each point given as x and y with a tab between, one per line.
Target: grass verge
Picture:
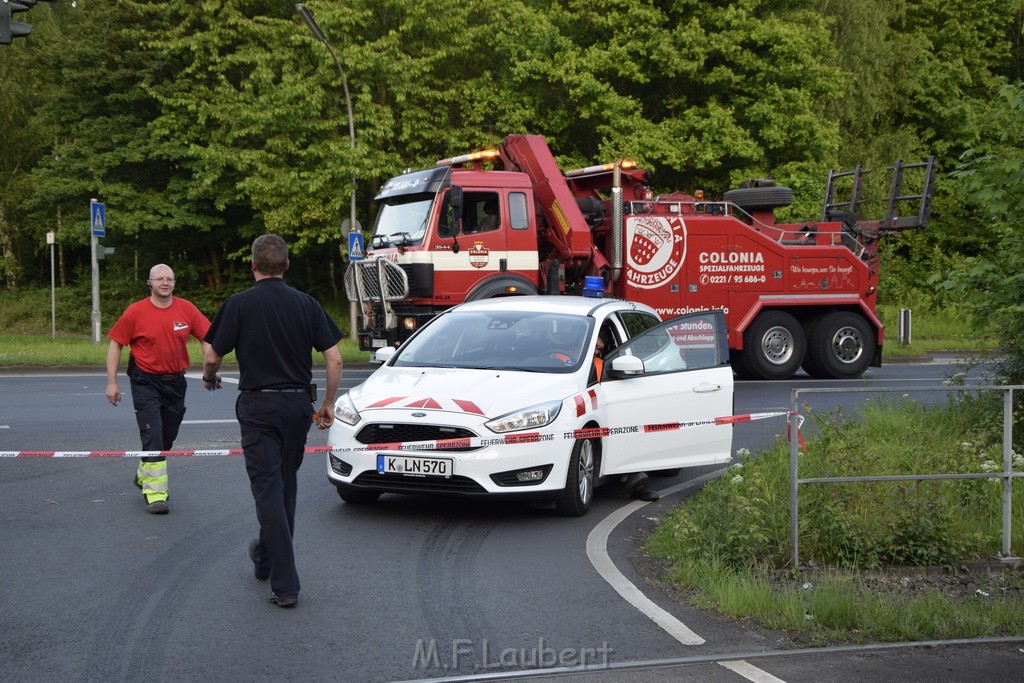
880	561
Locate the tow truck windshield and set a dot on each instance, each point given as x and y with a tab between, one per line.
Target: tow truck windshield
402	221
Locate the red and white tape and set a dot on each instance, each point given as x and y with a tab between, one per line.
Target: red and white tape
435	445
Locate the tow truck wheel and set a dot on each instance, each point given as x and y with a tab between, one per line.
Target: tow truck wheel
579	482
840	346
774	346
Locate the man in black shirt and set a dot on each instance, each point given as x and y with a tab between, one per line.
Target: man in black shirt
273	328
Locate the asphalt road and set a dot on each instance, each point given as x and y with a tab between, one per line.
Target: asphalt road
410	588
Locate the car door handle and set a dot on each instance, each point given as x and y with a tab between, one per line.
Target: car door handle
706	388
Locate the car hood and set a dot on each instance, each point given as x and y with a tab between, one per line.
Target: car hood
488	393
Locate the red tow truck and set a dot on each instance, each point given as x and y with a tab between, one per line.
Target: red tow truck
508	221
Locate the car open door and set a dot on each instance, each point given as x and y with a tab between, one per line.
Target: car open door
661	392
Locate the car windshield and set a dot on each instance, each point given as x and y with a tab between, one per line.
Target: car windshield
402	220
501	340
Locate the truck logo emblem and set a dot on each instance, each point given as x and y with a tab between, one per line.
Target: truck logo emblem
656	249
479	255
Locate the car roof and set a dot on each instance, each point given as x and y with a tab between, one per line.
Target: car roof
569	305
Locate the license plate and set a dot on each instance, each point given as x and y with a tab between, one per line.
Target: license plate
414	466
378	343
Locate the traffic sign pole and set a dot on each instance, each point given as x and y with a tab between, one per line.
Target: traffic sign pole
97	220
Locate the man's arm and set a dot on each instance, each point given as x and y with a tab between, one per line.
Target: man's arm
211	364
113	360
325	416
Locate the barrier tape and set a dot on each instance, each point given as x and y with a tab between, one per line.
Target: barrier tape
435	445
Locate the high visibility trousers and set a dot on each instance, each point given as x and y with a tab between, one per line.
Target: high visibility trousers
152	478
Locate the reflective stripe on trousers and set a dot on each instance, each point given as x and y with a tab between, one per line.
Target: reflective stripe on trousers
153	478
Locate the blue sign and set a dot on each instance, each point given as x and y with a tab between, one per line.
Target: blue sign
98	219
355	246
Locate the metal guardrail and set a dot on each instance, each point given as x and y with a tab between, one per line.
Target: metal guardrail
1007	475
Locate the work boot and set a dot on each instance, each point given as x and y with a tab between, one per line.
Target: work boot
158	507
634	480
644	493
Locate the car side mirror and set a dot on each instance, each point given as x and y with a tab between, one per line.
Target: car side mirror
383	355
626	366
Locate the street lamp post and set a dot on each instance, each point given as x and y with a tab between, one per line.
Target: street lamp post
319	35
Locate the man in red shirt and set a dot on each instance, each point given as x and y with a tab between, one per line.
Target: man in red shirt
156	329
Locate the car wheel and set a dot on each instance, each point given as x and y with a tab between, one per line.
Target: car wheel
774	346
580	480
359	497
841	345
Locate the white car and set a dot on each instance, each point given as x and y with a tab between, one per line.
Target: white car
500	397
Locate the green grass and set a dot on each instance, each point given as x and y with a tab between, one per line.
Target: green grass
730	541
28	340
27	350
947	330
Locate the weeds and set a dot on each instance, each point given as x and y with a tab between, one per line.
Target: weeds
730	541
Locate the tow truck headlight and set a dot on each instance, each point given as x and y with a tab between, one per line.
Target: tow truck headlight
528	418
345	410
408	322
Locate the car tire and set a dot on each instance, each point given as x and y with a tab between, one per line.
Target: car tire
359	497
579	480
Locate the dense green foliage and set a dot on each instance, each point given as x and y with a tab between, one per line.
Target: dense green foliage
202	124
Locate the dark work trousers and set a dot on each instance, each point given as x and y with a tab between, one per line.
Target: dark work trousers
159	409
274	428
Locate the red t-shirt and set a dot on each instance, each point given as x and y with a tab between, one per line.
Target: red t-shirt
158	336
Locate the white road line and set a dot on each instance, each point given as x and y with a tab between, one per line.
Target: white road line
750	672
597	552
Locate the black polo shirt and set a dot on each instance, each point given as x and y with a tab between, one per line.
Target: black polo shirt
272	328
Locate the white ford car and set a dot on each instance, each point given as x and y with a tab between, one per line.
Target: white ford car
501	397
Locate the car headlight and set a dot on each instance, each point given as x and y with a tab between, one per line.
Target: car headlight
529	418
345	410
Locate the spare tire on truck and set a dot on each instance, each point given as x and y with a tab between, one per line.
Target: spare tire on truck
759	198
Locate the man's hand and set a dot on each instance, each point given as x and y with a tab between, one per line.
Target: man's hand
113	393
213	383
324	417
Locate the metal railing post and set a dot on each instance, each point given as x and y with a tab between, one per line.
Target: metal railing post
1007	469
794	501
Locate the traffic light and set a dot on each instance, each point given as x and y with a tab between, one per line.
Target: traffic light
9	30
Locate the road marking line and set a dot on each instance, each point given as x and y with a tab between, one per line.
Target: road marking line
597	553
750	672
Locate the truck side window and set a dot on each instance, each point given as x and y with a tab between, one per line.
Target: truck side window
484	212
519	215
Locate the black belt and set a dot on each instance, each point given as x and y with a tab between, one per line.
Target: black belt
277	391
162	378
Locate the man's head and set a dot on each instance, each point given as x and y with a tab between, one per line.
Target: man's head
161	279
270	255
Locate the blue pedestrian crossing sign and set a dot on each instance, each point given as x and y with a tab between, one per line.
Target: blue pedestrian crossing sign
355	246
98	218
